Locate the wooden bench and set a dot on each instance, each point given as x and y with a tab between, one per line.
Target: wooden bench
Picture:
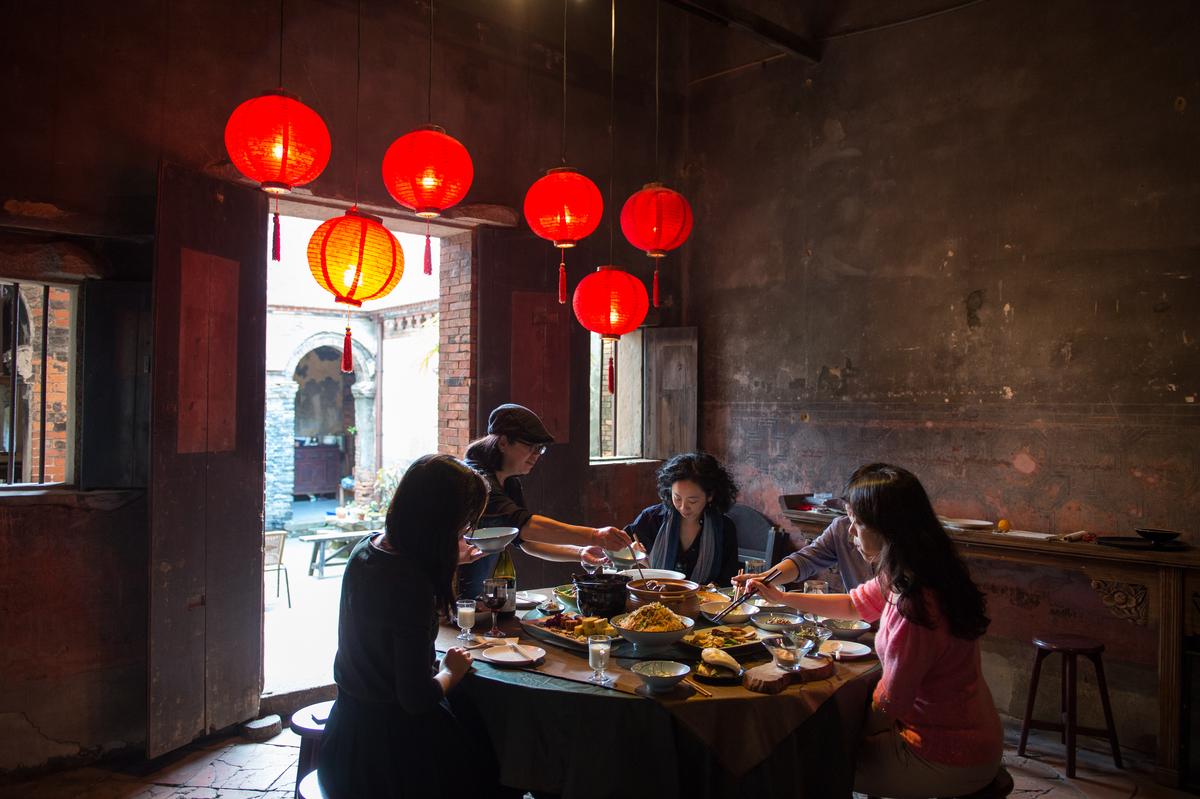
340	542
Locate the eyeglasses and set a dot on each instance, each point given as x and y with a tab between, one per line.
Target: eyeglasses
539	449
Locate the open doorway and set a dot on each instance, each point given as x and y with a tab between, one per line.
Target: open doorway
335	442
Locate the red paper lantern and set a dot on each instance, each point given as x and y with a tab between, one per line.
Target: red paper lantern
610	302
563	206
277	141
355	258
656	219
427	171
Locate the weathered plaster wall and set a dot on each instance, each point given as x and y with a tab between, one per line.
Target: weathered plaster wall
967	246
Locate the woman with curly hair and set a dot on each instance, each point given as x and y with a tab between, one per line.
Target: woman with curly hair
688	530
934	729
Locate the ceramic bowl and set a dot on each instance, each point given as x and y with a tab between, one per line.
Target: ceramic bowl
492	539
846	629
653	574
776	622
739	615
660	675
648	640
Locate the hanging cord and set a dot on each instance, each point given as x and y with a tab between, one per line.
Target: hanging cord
612	105
430	92
281	44
563	153
275	236
657	69
357	95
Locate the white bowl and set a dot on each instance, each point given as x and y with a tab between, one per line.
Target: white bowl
648	640
739	615
776	622
653	574
492	539
660	675
762	603
624	558
852	630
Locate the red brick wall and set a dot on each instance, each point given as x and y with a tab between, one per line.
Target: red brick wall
456	361
58	383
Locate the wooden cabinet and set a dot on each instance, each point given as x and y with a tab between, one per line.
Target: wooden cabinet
318	469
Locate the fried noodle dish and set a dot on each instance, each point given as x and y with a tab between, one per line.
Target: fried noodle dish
653	618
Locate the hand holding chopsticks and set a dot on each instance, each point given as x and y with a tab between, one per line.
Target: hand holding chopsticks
766	578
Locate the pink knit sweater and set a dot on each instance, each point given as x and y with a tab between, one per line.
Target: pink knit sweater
932	684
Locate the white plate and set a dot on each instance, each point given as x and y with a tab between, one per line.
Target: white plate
653	574
529	599
848	650
505	656
969	524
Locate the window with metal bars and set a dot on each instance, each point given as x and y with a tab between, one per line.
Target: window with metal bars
36	382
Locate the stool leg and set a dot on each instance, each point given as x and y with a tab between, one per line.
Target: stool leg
305	763
1070	720
1038	656
1062	701
1108	719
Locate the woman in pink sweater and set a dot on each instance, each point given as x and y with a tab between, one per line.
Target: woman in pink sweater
934	730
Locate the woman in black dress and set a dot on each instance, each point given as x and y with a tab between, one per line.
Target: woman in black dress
391	732
688	530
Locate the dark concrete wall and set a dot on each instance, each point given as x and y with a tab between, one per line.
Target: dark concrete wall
967	246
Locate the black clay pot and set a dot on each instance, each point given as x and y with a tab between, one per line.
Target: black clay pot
600	594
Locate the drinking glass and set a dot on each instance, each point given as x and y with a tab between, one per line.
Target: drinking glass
816	587
598	649
592	568
466	618
495	595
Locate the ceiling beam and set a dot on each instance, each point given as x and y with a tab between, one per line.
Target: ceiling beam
732	15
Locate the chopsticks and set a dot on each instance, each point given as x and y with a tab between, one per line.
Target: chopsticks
696	687
632	551
768	577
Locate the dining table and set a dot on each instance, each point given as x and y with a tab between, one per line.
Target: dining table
555	732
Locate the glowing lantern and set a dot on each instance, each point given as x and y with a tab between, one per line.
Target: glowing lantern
355	258
610	302
563	206
427	171
656	219
279	143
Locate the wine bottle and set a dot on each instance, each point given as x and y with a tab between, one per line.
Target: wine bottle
508	571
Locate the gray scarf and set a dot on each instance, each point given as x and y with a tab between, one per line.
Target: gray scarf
665	552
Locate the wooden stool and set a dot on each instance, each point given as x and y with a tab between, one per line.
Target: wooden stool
305	724
310	788
1000	787
1070	647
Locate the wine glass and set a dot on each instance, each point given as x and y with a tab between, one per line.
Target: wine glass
495	595
595	563
466	618
598	649
816	587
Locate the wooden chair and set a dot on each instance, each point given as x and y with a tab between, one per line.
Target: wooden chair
1070	647
757	536
273	542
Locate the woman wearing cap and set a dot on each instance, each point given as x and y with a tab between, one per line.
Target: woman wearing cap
516	439
688	530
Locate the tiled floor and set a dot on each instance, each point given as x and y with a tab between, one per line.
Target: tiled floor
234	769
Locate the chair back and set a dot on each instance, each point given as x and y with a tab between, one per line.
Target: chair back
273	542
757	536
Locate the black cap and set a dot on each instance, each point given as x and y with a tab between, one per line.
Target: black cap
518	422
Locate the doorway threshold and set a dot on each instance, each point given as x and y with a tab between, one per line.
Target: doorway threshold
286	703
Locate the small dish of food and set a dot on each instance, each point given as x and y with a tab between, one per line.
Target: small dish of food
786	653
718	666
652	625
724	637
762	603
739	615
846	629
660	676
776	622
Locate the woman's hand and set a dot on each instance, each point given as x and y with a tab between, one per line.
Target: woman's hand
593	556
764	589
611	538
468	553
457	662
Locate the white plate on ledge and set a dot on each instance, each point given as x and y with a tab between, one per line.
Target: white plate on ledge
968	524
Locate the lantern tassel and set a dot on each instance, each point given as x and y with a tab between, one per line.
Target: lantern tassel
347	354
428	256
655	287
275	239
562	281
612	376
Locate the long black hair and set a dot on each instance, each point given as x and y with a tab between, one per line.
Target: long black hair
486	453
917	554
437	498
705	471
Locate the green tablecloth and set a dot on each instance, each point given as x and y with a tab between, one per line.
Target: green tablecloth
584	742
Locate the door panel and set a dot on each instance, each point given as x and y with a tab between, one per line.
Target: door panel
670	395
206	479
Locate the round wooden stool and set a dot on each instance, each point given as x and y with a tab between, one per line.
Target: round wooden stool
310	788
1070	647
999	788
305	724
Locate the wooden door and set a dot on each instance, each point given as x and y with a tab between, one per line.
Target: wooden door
670	390
206	458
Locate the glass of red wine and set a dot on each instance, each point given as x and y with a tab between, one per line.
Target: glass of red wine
495	595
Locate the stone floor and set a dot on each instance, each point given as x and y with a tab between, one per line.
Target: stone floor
234	769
